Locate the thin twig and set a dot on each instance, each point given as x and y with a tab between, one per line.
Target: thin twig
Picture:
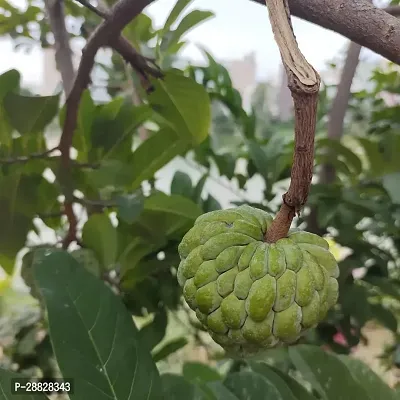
142	65
120	15
92	8
303	82
24	159
99	203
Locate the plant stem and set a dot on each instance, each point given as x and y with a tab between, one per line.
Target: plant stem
303	82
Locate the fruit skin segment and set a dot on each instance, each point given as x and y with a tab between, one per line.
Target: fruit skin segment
251	295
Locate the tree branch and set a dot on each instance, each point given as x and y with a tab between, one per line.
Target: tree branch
303	82
336	118
357	20
120	15
55	14
24	159
142	65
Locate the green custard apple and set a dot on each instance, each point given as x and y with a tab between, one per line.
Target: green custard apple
249	294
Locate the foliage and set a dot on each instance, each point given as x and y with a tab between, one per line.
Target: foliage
131	229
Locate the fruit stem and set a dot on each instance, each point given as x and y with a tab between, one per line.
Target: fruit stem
303	82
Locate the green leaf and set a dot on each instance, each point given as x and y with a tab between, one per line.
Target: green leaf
384	316
169	348
13	238
391	184
153	332
385	285
178	388
211	204
197	372
122	119
5	388
258	156
9	81
339	150
140	29
326	373
181	184
220	391
298	390
94	338
198	189
130	206
130	258
250	385
274	379
188	22
99	235
31	258
180	5
374	386
111	173
351	297
184	104
154	153
86	115
375	158
174	204
30	114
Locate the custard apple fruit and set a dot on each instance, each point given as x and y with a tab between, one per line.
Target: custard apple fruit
251	295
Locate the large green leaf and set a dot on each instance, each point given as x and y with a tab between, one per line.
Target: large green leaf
94	338
6	386
251	385
30	114
154	153
326	373
99	234
188	22
174	204
184	104
273	378
373	385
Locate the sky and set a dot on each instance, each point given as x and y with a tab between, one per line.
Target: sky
238	28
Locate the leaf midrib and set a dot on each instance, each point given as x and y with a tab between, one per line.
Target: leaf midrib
94	344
